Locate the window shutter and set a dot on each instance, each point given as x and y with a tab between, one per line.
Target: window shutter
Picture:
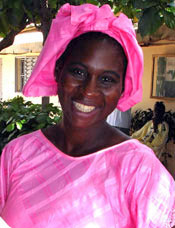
23	70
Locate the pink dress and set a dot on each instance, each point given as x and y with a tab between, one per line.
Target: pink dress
124	186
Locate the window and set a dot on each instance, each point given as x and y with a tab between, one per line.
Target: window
23	69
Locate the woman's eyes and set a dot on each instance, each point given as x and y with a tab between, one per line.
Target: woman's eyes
107	80
78	73
103	80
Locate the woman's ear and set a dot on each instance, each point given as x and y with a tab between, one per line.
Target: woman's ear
58	69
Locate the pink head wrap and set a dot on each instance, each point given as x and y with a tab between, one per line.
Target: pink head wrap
72	21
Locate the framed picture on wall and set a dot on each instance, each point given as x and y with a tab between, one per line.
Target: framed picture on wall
163	77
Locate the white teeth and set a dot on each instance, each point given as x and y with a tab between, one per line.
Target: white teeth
83	108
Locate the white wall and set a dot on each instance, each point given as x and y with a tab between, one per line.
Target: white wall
8	80
149	51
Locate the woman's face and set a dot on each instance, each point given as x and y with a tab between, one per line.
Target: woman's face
91	82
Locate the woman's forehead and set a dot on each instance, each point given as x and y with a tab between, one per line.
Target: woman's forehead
97	47
85	39
97	56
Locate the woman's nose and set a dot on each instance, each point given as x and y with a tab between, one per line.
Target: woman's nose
90	88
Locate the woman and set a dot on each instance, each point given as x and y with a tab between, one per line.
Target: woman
83	173
155	132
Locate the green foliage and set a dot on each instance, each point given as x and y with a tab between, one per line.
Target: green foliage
141	117
18	117
11	15
153	14
150	21
150	14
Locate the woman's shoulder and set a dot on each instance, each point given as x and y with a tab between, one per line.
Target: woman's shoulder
24	146
24	140
132	147
136	158
140	168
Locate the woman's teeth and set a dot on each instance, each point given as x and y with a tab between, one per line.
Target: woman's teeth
83	108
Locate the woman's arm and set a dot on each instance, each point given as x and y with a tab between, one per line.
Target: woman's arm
5	173
153	194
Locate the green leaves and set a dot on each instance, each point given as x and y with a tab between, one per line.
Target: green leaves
4	26
142	4
11	14
18	117
15	16
94	2
149	22
153	14
52	3
19	125
150	14
169	18
10	127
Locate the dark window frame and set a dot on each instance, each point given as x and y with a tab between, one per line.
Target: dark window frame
23	68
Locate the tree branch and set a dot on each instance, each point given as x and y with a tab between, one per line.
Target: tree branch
9	38
46	18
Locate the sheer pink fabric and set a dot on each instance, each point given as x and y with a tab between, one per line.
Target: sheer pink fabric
70	22
124	186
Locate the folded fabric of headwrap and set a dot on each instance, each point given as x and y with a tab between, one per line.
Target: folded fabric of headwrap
72	21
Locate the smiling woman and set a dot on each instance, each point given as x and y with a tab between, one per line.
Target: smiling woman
83	172
90	80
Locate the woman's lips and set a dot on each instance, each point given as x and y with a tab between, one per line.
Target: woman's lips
83	108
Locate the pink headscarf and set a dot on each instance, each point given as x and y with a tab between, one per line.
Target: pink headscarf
72	21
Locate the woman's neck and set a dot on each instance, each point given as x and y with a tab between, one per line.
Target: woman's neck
80	141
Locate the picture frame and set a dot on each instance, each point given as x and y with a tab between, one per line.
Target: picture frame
163	77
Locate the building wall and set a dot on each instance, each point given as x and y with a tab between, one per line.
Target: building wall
7	90
149	51
8	76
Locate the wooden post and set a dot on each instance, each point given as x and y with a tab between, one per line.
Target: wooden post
45	101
